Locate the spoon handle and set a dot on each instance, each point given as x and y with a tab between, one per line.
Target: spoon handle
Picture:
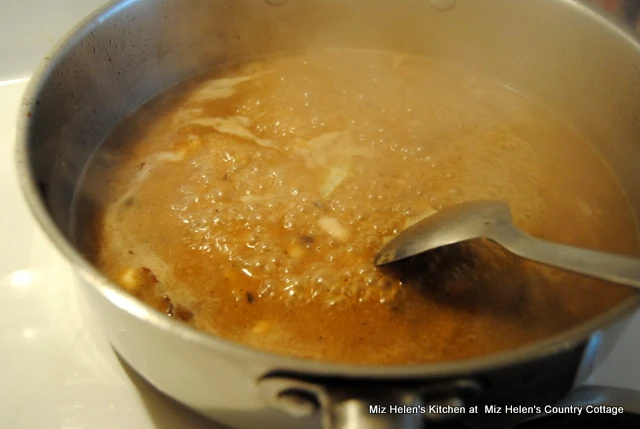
605	266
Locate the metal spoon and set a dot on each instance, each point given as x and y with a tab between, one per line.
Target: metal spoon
492	220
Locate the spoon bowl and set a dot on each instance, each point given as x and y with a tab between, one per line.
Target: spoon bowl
456	224
492	220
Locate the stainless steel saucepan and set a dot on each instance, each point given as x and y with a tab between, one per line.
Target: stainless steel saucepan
561	53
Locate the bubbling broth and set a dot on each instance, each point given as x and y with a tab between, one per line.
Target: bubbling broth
250	202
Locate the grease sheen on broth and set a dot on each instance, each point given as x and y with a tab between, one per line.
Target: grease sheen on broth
250	202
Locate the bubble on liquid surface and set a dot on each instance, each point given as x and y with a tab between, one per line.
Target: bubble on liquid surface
443	5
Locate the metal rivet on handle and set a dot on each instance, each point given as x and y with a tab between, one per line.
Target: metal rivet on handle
297	403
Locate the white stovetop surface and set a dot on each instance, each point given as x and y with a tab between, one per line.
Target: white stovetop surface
56	368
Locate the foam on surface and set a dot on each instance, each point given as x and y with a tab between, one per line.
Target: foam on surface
258	199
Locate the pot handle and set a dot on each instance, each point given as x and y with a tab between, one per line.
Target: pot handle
365	405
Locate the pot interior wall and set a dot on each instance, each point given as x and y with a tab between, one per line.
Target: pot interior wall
557	52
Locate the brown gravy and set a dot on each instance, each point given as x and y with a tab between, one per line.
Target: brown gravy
250	202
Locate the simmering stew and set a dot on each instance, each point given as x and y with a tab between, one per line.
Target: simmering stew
249	203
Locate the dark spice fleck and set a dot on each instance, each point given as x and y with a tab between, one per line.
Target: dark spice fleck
130	201
168	309
182	313
130	252
149	278
250	298
305	239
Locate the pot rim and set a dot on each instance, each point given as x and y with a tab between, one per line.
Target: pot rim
90	275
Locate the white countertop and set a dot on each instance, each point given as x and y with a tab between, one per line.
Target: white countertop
56	368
